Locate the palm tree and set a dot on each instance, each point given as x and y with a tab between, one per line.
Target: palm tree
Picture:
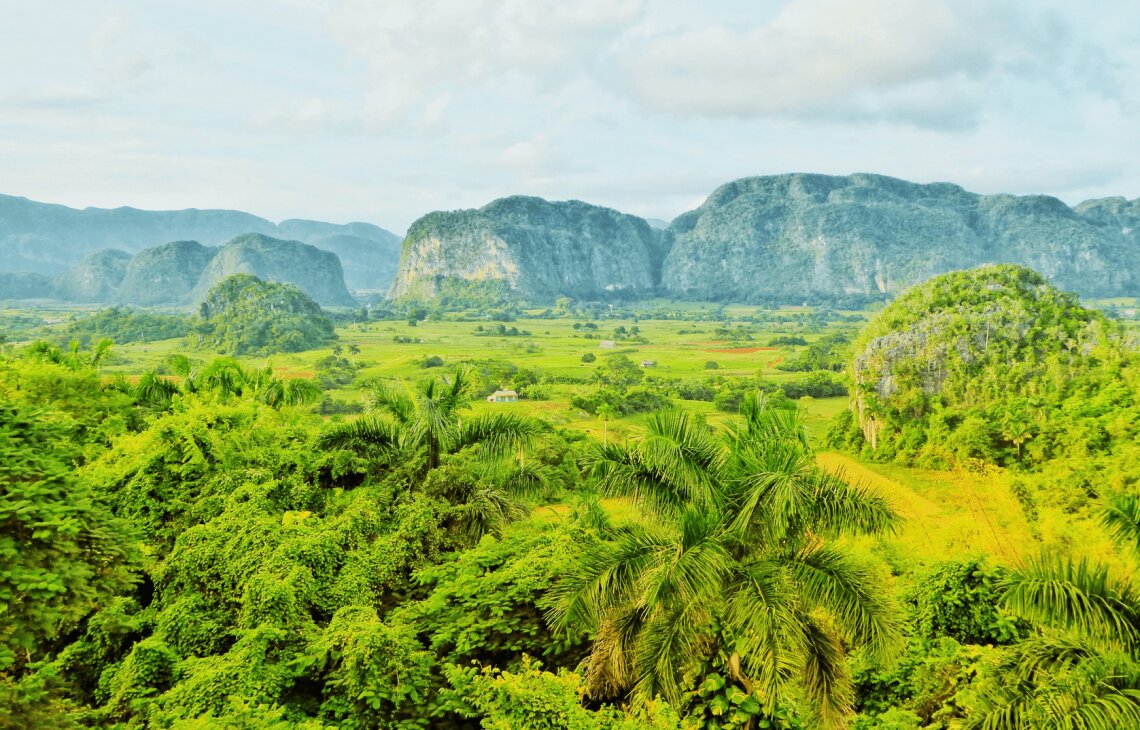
731	582
228	378
425	419
605	412
1081	669
354	350
422	425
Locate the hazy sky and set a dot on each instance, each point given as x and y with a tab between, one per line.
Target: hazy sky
382	111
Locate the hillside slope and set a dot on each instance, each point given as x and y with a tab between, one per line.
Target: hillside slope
541	249
793	237
51	239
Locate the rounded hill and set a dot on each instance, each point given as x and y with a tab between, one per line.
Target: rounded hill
973	362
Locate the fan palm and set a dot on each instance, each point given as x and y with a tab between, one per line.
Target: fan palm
733	575
1082	668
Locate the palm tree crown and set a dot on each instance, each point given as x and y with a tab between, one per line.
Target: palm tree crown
731	581
426	419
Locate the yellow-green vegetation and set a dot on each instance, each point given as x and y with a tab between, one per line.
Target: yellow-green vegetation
651	537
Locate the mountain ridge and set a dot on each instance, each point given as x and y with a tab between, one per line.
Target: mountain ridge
51	239
786	239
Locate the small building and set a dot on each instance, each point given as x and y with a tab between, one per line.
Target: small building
648	363
607	344
503	396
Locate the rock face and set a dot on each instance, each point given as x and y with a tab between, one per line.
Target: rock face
164	275
793	237
95	278
51	239
317	273
541	249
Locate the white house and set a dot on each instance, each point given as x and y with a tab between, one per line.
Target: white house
503	396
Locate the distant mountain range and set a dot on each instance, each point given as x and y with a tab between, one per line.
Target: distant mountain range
777	239
46	239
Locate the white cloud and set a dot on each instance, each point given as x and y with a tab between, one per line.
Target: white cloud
932	63
419	51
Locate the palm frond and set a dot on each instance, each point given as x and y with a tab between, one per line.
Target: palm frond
1062	682
771	488
299	391
849	592
761	613
155	391
456	394
486	510
764	421
842	508
387	397
498	433
620	471
528	480
695	568
677	445
1121	516
668	649
610	668
607	575
368	432
826	677
1078	596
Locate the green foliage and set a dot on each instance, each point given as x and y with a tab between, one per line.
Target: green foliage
962	600
618	371
589	357
830	352
532	698
731	575
62	553
374	675
123	325
488	602
335	372
244	315
87	412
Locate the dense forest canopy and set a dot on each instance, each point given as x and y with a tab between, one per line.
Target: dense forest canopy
207	542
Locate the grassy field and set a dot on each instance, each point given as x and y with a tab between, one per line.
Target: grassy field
680	350
948	513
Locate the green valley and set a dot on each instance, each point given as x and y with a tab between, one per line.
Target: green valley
682	519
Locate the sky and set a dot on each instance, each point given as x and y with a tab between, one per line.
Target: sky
385	110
